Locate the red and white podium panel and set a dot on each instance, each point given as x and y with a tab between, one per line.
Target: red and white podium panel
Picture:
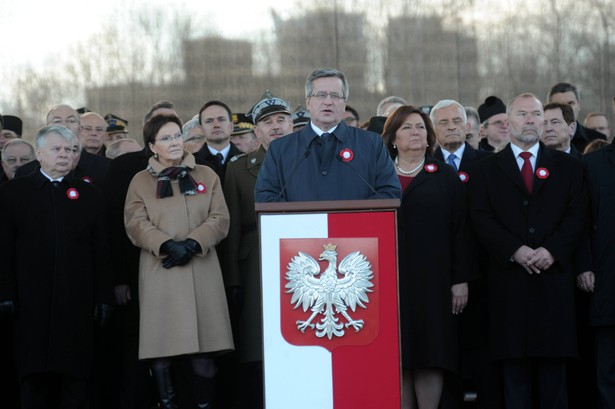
330	305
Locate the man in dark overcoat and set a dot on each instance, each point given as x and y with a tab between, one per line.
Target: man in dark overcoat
528	205
451	125
55	276
601	282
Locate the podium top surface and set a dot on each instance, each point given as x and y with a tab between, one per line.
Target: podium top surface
326	206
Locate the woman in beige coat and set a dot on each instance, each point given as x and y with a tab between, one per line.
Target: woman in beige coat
176	213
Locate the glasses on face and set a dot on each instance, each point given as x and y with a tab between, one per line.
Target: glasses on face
195	138
321	96
169	138
97	129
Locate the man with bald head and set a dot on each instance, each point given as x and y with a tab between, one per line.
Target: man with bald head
531	287
92	132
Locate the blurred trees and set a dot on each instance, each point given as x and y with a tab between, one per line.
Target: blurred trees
440	48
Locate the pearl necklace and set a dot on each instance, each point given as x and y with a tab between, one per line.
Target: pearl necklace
408	172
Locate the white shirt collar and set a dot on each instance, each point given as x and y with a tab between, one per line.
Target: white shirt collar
224	151
50	178
319	131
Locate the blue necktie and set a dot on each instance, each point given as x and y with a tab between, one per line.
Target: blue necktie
451	161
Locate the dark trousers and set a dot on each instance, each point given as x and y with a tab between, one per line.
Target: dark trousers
535	382
605	365
40	391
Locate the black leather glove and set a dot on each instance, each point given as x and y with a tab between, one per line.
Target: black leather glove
102	313
175	251
192	246
8	308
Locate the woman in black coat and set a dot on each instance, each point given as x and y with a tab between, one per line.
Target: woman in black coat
433	256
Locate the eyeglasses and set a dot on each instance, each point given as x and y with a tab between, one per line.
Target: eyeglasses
196	138
98	129
321	96
169	138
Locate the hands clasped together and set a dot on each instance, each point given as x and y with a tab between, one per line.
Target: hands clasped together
533	261
178	252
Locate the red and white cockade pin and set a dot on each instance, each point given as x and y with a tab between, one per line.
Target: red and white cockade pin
72	193
87	179
431	168
346	155
200	188
542	173
464	177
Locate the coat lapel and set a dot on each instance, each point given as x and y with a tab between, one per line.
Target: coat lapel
508	164
546	161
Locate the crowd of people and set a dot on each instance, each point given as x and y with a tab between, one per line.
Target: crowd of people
131	271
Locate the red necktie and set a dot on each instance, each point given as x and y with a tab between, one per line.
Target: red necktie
526	171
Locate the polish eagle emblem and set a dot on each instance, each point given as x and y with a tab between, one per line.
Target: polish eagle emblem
336	290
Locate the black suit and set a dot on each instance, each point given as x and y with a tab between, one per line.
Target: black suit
583	136
130	377
601	171
532	316
473	323
55	266
204	157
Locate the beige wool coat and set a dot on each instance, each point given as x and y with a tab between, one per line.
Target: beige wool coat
183	309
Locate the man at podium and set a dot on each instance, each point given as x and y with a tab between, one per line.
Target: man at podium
327	160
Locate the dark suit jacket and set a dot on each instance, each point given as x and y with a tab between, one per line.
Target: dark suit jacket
531	315
470	157
240	253
56	266
583	136
124	255
601	170
473	323
204	157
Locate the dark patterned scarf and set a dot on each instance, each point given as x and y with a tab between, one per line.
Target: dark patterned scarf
187	185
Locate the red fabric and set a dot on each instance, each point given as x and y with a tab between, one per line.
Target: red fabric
526	171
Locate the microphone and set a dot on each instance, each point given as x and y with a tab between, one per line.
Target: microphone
307	153
341	159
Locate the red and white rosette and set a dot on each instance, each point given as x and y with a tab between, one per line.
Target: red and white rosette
200	188
346	155
87	179
542	173
72	193
464	177
431	168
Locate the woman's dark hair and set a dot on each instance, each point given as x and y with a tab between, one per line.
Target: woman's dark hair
152	127
396	120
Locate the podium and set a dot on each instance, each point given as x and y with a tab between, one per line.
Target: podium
330	304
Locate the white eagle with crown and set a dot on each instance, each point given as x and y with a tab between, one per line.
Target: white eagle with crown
329	294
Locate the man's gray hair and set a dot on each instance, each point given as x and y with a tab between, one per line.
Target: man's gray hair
62	131
188	126
380	111
14	142
447	103
471	112
326	73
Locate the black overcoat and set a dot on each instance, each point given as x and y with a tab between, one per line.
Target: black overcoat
601	171
433	253
531	315
55	266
